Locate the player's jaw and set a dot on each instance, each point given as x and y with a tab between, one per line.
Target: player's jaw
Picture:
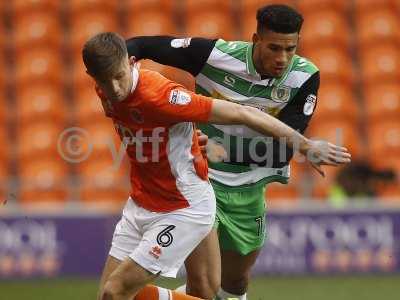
271	66
117	85
273	52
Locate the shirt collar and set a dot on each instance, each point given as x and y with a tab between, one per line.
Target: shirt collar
135	76
249	61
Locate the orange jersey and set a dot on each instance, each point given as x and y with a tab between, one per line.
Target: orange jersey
156	123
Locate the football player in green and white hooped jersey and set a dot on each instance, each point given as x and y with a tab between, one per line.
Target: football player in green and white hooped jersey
266	74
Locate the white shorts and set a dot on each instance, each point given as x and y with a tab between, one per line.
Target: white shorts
160	242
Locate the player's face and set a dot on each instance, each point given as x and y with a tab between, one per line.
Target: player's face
273	52
117	84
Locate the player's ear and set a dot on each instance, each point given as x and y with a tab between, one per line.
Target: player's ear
132	60
255	38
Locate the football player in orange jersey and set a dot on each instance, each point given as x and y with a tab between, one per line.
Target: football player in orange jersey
172	205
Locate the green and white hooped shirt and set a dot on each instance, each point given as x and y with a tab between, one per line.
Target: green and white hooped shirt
225	70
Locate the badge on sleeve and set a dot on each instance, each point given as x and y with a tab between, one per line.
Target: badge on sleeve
179	97
181	43
309	106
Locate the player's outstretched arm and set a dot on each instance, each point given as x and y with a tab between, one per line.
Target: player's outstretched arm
189	54
321	152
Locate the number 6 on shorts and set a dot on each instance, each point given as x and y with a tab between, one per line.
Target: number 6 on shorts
165	238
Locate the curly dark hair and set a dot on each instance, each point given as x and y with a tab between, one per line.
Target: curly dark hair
279	18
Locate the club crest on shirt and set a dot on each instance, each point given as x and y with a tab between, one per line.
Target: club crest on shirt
137	116
280	94
179	97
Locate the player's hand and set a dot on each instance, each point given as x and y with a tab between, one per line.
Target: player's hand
210	149
321	153
215	152
203	140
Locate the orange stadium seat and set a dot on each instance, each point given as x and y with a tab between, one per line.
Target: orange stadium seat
43	180
39	139
396	5
101	140
150	23
363	6
3	113
22	8
253	5
313	6
79	6
86	24
38	65
334	63
5	149
100	182
4	6
335	102
3	176
388	162
277	193
376	27
324	28
388	191
37	29
3	182
380	64
382	102
4	70
193	7
340	133
384	139
133	7
321	186
297	169
249	26
88	106
40	102
3	32
213	24
79	78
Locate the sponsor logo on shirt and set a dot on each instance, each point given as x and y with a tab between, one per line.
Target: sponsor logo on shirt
309	106
228	80
179	97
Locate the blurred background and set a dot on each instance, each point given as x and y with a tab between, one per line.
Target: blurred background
61	191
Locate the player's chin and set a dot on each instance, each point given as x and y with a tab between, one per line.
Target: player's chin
119	98
278	72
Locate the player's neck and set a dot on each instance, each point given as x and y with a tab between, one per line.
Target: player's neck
135	77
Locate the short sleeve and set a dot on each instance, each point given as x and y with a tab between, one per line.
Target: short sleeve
180	105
